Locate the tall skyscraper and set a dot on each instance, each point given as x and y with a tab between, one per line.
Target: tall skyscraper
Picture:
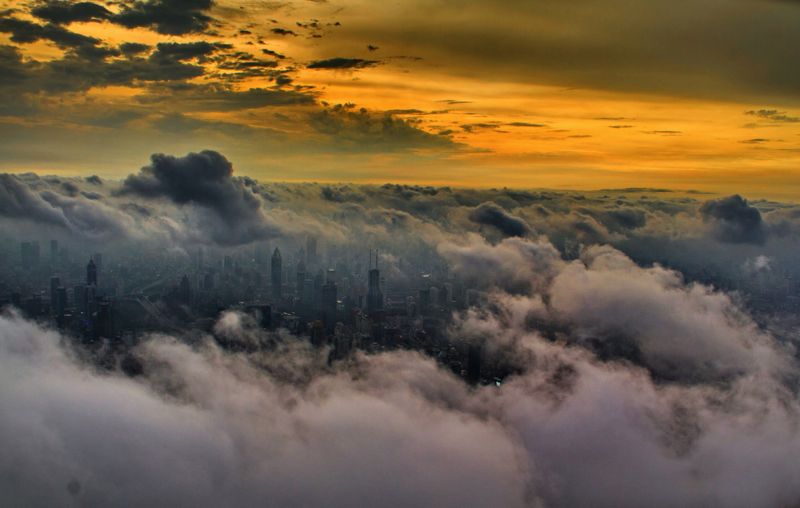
79	294
277	273
374	295
61	300
91	273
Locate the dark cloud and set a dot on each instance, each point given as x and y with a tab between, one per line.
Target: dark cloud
17	201
65	12
273	53
734	220
133	48
490	214
186	50
23	31
342	63
206	180
168	17
282	31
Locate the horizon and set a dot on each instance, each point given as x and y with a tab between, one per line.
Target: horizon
421	253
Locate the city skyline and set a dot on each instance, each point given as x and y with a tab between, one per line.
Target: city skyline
421	253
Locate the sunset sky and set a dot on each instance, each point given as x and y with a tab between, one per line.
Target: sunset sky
701	94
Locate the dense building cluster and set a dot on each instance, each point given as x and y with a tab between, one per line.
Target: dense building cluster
336	299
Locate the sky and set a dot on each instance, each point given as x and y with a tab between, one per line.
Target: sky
590	94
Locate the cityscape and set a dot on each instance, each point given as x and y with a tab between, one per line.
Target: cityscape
422	253
334	300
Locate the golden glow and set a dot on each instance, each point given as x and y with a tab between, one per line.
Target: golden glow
507	132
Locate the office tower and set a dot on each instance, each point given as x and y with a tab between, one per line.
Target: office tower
277	272
474	358
307	298
329	304
91	273
55	282
374	295
200	259
79	295
104	326
301	277
61	301
227	264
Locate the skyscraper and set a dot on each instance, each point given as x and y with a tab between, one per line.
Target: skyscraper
374	295
277	272
91	273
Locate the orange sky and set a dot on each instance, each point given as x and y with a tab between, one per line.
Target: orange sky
494	94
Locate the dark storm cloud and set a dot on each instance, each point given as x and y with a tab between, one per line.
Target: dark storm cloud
168	17
206	180
342	63
17	201
65	12
85	217
490	214
734	220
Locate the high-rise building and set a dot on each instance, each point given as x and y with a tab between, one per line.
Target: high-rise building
53	251
277	273
79	294
474	360
61	301
374	295
91	273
